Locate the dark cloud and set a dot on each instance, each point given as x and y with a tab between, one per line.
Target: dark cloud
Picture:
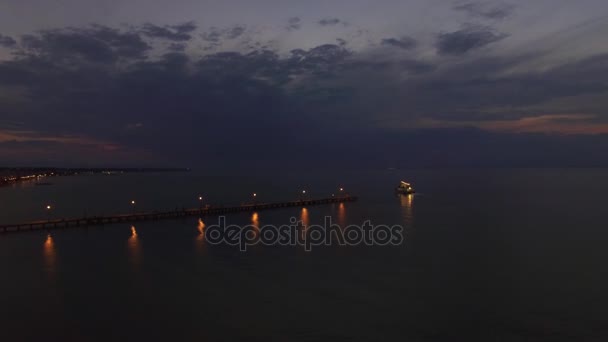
107	88
416	67
323	60
177	47
329	22
186	27
214	35
174	61
485	10
235	32
180	32
324	54
294	23
97	44
482	90
220	97
405	43
7	41
260	65
469	38
411	67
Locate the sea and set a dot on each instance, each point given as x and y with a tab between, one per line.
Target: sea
487	255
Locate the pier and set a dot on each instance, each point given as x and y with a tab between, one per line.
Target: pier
164	215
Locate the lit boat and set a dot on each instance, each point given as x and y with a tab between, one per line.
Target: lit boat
404	188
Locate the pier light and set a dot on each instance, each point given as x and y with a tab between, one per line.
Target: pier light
49	211
133	202
200	198
255	195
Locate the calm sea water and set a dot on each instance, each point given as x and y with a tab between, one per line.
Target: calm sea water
489	255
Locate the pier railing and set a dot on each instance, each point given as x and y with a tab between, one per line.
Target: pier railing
163	215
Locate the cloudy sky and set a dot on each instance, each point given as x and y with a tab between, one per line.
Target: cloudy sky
389	83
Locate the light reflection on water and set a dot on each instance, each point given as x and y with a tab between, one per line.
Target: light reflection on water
406	202
50	255
255	223
200	238
134	246
201	227
305	221
255	220
304	217
342	215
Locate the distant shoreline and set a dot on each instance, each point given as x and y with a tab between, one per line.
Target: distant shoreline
15	175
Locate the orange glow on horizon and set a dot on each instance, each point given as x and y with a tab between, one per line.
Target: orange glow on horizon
566	124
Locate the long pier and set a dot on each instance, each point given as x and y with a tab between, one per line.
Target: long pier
156	215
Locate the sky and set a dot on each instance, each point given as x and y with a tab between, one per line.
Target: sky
333	83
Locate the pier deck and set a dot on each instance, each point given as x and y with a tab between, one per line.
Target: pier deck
163	215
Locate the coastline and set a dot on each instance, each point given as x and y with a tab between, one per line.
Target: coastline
12	176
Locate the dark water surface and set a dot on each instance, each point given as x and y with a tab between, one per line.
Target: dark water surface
489	255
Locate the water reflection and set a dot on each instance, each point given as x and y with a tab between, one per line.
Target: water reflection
304	221
134	248
255	221
200	238
406	202
50	256
201	227
342	215
304	217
